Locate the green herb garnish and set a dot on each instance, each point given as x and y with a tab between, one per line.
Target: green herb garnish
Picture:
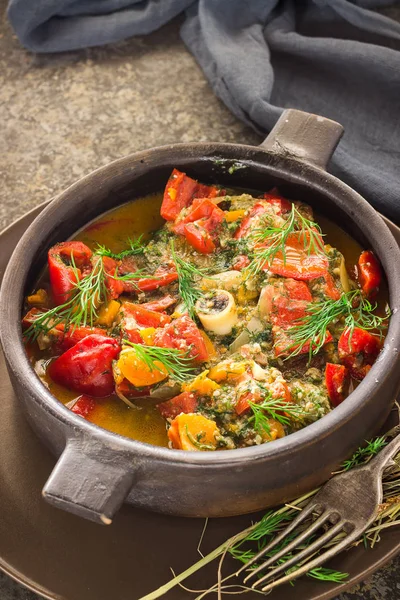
273	408
87	295
307	232
352	307
135	247
187	275
363	455
177	364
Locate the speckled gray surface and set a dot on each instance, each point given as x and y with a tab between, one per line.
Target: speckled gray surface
64	115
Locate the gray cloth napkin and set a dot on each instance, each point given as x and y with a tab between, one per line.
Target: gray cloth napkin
336	58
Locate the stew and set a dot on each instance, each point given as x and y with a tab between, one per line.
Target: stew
217	321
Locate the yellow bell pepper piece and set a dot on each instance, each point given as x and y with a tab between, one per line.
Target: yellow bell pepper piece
193	432
201	385
147	335
39	299
233	215
137	371
226	370
107	313
212	353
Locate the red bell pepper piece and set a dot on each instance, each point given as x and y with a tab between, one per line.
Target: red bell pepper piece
160	278
202	208
114	286
61	272
183	334
31	316
298	263
199	238
87	367
180	191
184	403
161	304
252	219
84	406
336	379
358	350
145	317
369	273
125	388
329	287
69	338
281	204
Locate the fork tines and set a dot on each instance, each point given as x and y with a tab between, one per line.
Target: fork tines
324	517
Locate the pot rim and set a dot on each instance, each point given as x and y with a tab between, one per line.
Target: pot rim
296	171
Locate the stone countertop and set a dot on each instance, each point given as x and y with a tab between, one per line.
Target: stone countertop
65	115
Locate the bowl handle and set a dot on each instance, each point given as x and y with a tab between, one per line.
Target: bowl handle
310	138
89	480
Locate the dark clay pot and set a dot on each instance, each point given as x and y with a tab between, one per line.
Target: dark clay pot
97	470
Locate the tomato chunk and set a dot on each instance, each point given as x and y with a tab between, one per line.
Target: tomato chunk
180	192
369	273
358	350
336	380
87	367
184	403
61	272
183	334
84	406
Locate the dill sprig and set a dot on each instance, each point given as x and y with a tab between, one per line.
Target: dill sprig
177	364
364	455
245	544
352	307
81	309
273	408
308	233
187	275
134	247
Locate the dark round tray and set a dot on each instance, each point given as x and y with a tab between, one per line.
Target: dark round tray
64	557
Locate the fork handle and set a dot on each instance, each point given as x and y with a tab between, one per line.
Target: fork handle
379	462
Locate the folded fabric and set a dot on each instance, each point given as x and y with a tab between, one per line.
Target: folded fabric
336	58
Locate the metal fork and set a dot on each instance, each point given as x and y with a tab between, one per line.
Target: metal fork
349	501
